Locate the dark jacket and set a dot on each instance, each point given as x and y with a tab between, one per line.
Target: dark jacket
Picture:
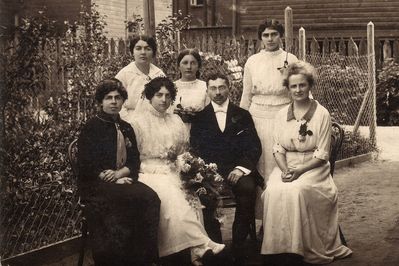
238	145
97	148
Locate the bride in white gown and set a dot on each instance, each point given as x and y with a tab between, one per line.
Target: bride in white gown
158	133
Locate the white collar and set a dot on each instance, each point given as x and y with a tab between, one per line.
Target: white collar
222	107
154	71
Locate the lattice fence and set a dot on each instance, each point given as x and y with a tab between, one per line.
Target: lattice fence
40	217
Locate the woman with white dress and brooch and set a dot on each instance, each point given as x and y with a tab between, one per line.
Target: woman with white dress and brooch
263	93
138	73
300	215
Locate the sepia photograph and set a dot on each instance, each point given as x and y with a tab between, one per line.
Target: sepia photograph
199	132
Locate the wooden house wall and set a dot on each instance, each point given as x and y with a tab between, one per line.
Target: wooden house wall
116	15
324	18
59	10
218	13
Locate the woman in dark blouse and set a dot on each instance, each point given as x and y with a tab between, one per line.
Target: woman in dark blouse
122	213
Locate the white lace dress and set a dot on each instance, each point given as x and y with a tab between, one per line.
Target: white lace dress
157	134
191	95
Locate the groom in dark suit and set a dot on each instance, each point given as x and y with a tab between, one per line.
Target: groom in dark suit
224	133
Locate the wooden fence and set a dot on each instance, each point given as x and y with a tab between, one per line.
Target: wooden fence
225	45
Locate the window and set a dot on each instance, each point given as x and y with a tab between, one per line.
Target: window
197	2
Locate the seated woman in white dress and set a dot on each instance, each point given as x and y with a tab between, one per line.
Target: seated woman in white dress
158	134
300	201
191	91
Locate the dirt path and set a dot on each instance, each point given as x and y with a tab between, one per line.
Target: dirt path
369	212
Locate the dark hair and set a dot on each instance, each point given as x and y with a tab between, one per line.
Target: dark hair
155	85
193	52
106	86
299	67
272	24
148	39
215	76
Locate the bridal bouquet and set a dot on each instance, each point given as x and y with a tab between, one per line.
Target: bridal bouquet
186	113
198	178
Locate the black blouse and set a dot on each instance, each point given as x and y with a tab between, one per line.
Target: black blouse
97	146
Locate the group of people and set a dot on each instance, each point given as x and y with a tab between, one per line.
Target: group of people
272	152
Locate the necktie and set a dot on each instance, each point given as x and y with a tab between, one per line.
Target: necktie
219	109
120	148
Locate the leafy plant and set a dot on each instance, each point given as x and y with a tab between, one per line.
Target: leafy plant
43	114
340	87
388	94
355	144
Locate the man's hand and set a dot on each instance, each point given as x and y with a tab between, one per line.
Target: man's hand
235	175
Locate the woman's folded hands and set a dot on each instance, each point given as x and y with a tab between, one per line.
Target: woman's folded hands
114	176
291	174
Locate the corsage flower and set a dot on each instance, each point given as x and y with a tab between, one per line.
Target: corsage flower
128	143
303	131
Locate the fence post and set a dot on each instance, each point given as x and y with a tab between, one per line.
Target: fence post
353	50
326	47
302	44
371	79
395	49
234	28
289	29
386	50
371	91
149	17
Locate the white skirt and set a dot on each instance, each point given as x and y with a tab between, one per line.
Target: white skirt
301	217
263	116
180	225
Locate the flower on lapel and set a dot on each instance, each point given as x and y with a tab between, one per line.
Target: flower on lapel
128	143
303	131
235	119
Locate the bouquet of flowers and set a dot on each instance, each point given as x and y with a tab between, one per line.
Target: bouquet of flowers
186	113
198	178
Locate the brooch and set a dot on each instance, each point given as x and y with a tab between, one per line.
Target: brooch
303	131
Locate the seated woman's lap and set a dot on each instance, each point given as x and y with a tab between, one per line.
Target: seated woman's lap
115	217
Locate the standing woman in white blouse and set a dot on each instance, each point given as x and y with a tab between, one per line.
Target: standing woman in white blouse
263	91
191	92
138	73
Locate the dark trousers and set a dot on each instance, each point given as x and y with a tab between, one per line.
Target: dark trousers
123	224
245	194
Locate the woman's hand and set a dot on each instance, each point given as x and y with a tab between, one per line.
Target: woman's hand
124	180
108	175
286	176
292	174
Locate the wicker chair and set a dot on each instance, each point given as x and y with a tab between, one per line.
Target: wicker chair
72	156
336	145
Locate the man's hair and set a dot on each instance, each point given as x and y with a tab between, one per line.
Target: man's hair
215	76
